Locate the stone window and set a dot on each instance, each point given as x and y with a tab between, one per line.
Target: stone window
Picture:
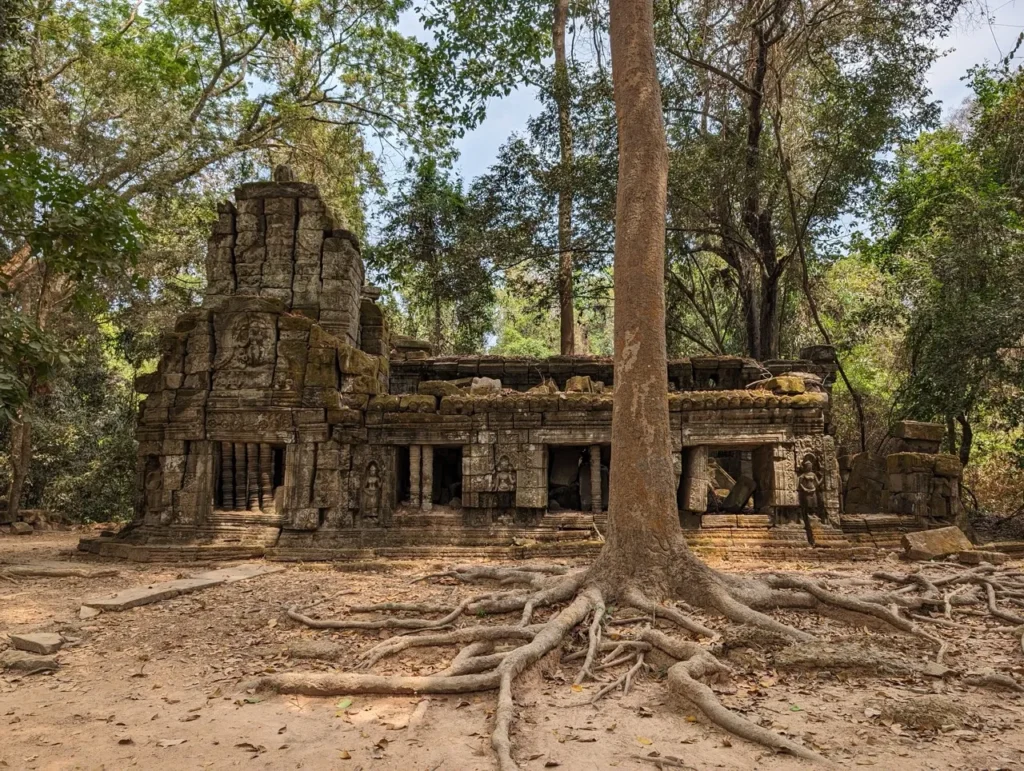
248	475
403	485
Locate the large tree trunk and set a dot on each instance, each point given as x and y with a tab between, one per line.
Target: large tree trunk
644	536
563	98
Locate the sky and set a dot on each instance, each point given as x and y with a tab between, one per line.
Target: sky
972	41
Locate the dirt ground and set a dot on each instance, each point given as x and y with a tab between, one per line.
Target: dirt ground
164	687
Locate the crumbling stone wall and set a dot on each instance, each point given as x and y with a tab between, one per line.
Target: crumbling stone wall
915	480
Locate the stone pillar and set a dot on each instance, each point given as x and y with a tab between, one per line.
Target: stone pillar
414	475
226	493
427	478
695	490
252	479
596	504
266	477
240	493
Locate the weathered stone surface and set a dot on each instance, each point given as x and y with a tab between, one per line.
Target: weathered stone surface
43	643
786	385
21	528
26	663
230	575
144	595
483	386
931	544
439	388
914	429
977	557
739	494
579	384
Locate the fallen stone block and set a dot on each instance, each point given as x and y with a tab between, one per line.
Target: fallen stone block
44	643
24	663
932	544
21	528
977	557
482	386
86	612
144	595
234	573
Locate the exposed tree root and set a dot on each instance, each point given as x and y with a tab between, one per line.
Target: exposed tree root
492	657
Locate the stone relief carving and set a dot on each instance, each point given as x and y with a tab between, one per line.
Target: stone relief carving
372	492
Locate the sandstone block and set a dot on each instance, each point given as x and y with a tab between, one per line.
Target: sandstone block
909	463
786	385
931	544
947	466
917	430
579	384
485	385
21	528
439	388
977	557
26	663
43	643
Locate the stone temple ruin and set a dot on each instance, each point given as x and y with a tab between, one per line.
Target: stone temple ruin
285	420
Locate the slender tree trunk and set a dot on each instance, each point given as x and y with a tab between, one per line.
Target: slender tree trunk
21	462
644	535
966	439
563	98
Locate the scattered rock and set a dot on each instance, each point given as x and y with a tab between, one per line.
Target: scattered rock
547	387
21	528
579	384
931	544
85	612
44	643
977	557
439	388
24	663
483	386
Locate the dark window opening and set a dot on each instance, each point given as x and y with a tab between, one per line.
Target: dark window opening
247	475
402	468
564	467
447	483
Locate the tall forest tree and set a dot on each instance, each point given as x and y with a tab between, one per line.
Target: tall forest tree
645	561
425	252
758	91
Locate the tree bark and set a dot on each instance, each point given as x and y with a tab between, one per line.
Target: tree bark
644	534
966	438
21	461
563	98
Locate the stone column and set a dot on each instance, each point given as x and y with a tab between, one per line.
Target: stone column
226	493
266	477
695	490
252	479
414	475
240	493
596	504
427	478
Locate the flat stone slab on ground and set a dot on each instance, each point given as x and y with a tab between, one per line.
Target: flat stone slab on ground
240	572
44	643
144	595
930	544
26	663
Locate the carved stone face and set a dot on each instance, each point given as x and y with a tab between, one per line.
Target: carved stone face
255	335
808	465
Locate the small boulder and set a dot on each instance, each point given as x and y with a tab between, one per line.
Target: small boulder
23	663
547	387
21	528
977	557
483	386
579	384
85	612
785	385
43	643
932	544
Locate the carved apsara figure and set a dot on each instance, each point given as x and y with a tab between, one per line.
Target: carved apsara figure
372	491
504	476
809	487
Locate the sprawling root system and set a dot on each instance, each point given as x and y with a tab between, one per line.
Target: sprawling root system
921	603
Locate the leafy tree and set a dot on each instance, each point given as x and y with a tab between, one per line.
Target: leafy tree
953	236
425	249
756	92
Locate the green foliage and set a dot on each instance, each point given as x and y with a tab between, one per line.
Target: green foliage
425	254
956	246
